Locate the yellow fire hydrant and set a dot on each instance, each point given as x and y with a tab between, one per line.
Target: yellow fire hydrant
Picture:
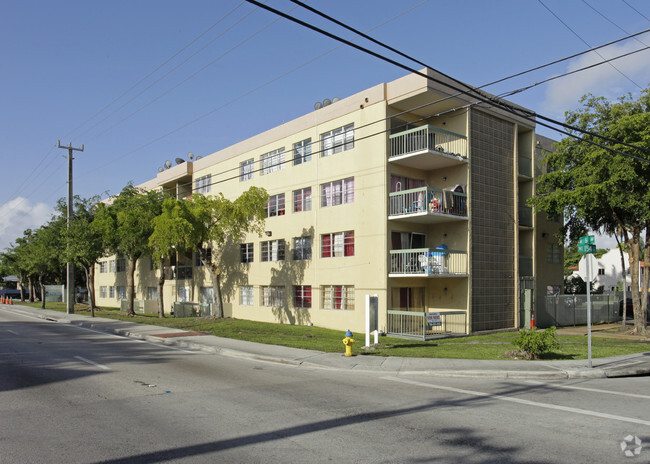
348	341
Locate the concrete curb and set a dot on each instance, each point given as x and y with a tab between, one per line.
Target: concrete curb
553	372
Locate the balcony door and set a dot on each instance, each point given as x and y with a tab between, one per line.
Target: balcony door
408	298
408	240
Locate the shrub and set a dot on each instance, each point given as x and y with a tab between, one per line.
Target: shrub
535	343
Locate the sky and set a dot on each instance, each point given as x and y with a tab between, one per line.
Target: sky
141	82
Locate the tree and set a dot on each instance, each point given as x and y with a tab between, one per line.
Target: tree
598	189
213	221
125	226
85	243
174	231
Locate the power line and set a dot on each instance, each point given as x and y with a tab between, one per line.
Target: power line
587	44
471	92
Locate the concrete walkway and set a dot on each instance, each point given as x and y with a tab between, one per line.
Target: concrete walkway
618	366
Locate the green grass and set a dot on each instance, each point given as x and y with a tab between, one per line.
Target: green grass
492	346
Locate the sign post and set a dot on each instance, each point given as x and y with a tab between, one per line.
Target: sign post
587	245
372	313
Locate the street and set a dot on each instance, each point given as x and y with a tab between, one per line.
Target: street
73	395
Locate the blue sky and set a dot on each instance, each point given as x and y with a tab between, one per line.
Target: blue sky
141	82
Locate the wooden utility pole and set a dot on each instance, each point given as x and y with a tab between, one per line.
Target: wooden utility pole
70	287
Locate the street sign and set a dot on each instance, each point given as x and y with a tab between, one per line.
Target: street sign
587	244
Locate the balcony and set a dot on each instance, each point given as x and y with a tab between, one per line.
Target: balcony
525	216
178	272
428	148
412	324
525	167
428	262
427	205
525	265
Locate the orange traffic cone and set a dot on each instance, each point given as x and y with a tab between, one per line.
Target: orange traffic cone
11	300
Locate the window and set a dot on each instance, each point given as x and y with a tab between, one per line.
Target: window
102	267
183	294
246	295
197	257
302	200
553	253
202	184
206	295
111	292
301	248
102	291
337	297
272	296
272	161
337	245
301	152
275	206
111	265
302	296
601	271
272	250
121	293
246	170
338	140
246	253
152	293
120	265
337	192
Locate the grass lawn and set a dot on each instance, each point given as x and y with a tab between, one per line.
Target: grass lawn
491	346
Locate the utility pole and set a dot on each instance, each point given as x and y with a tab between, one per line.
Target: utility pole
70	293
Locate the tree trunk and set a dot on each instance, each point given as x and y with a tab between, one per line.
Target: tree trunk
130	285
161	284
646	281
635	255
30	282
22	287
216	289
40	282
90	287
622	253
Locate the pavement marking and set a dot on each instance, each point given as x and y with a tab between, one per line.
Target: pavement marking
595	390
11	331
101	366
584	412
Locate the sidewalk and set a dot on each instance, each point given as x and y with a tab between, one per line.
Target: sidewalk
618	366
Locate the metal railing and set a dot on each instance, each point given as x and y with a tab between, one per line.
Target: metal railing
428	200
415	324
189	309
565	310
525	166
526	216
428	138
428	262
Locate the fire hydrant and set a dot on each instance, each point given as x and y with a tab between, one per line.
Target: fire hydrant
348	341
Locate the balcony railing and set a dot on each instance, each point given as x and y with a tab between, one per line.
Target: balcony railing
428	138
427	200
428	262
525	166
525	265
415	324
178	272
526	216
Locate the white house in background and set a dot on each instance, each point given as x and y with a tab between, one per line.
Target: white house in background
608	272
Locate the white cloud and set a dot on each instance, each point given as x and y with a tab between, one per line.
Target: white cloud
564	93
19	214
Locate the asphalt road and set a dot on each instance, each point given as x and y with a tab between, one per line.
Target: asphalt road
71	395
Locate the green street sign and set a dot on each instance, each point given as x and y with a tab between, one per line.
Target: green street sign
587	244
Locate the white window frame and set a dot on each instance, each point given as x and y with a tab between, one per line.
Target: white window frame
102	291
337	140
328	297
102	267
246	295
203	184
111	291
302	248
275	206
338	192
302	200
246	170
120	265
272	250
299	295
302	152
272	296
272	161
246	253
152	293
121	292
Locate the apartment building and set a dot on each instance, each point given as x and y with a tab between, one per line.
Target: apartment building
403	191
